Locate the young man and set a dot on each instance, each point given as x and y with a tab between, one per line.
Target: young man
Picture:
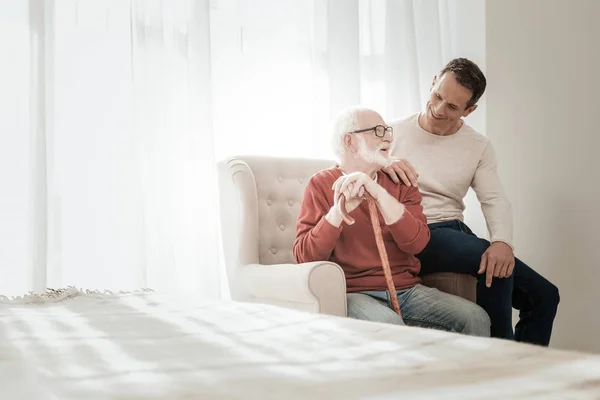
362	142
450	157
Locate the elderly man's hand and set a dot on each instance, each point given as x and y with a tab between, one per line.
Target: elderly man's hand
351	201
498	261
354	185
402	170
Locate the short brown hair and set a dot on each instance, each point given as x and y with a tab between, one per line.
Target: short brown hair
467	74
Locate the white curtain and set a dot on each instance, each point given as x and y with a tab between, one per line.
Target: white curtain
114	112
282	69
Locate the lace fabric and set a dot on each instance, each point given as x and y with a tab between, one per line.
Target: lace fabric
62	294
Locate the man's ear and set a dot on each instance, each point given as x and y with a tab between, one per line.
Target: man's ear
349	142
469	110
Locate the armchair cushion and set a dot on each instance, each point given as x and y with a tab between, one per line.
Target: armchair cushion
462	285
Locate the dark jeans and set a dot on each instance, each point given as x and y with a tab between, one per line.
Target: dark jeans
455	248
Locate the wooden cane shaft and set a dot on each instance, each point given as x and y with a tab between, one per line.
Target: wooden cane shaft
373	213
383	253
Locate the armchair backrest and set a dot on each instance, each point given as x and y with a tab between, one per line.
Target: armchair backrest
259	201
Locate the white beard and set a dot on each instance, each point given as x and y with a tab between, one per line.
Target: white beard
372	156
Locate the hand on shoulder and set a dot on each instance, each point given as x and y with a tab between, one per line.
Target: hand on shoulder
402	170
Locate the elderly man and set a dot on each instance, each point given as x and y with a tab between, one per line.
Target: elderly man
362	142
450	156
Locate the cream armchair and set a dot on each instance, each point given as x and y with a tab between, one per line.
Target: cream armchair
259	203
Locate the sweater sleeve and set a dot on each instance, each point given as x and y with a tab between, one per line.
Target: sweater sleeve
411	232
490	192
315	236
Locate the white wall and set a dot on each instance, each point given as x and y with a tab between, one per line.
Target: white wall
543	62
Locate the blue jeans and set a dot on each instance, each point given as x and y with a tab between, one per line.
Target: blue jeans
453	247
421	306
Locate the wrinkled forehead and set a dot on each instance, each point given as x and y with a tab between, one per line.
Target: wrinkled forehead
368	119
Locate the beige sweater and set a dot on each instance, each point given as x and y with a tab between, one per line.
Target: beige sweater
447	167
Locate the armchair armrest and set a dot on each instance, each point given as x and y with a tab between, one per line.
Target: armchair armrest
318	287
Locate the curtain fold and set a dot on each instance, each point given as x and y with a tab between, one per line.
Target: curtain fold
17	149
115	112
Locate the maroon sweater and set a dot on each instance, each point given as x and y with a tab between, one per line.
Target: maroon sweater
353	247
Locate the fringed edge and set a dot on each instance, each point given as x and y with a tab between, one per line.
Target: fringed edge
62	294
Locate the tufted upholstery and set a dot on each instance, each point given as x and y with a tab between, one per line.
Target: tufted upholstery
280	186
259	199
259	203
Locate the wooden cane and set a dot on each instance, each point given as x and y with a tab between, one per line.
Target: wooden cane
380	244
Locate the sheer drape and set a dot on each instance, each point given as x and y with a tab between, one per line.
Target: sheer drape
110	169
114	112
283	68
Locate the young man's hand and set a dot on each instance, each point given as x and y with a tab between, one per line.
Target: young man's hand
402	170
498	261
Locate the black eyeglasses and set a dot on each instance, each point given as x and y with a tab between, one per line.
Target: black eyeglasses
380	130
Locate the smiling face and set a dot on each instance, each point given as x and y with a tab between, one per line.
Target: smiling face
448	102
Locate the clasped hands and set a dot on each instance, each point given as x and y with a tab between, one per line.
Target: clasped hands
353	187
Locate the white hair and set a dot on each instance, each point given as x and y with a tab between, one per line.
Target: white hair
344	122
